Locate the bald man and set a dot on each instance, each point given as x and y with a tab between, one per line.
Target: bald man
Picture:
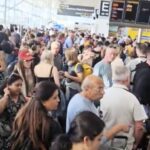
92	90
103	68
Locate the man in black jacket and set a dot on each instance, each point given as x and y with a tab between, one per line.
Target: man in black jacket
141	81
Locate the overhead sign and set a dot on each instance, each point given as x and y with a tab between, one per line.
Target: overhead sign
131	10
104	8
144	12
117	10
75	10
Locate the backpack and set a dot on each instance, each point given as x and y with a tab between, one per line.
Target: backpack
141	84
87	69
135	72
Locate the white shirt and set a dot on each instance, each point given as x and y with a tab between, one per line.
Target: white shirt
121	107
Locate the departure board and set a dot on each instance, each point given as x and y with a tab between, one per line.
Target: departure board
117	10
144	12
131	10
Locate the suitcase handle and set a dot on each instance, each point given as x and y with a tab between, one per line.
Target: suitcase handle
119	137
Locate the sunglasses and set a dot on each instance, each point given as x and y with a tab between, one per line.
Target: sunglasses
28	60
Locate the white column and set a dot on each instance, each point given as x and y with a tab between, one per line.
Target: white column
101	25
139	35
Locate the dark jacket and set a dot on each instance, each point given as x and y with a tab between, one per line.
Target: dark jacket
3	36
141	87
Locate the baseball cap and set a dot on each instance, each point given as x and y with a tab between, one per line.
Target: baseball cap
25	55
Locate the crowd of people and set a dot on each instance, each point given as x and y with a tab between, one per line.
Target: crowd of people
73	91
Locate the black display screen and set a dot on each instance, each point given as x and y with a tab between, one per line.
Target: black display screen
144	12
117	10
131	10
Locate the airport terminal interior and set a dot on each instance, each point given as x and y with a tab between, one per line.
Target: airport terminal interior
74	74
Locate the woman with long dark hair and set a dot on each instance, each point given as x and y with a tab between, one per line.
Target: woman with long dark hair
12	100
33	127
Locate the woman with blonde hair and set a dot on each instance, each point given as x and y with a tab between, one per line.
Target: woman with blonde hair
74	66
73	73
46	70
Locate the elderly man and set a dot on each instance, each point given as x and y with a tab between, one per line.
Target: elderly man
92	90
120	106
103	68
55	48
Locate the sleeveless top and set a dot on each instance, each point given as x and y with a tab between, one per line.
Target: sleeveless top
50	78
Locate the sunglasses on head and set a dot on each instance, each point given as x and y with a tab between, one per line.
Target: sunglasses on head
13	74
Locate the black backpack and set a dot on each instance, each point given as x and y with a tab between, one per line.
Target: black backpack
141	83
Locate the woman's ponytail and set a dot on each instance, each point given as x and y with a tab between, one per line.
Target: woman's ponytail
62	142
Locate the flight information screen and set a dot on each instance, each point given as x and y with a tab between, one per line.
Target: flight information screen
131	10
117	10
144	12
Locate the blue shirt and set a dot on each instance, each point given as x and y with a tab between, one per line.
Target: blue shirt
78	104
68	43
104	71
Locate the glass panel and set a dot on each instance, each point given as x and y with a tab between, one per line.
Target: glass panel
2	2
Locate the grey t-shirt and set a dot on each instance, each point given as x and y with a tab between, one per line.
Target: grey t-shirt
104	71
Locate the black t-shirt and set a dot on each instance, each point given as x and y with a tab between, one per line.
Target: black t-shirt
141	86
